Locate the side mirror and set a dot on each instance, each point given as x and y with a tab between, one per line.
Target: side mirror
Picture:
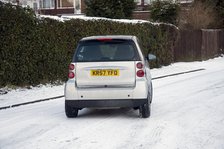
151	57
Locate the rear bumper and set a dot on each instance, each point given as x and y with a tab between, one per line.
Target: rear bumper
105	103
140	91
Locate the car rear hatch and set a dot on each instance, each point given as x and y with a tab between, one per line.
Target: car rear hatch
106	62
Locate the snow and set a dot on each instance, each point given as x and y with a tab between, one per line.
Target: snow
86	18
52	17
187	113
186	1
22	95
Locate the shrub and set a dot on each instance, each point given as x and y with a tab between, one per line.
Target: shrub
164	11
200	15
217	9
110	8
35	51
17	31
220	10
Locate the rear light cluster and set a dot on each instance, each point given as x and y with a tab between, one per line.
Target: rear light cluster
71	73
140	69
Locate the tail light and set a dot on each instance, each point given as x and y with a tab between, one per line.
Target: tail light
139	65
140	70
71	67
71	73
140	73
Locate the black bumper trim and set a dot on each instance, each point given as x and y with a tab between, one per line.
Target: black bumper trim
105	103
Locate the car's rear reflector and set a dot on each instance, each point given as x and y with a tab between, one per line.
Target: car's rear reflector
140	73
71	75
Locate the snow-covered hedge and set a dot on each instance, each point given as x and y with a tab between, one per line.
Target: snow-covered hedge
38	50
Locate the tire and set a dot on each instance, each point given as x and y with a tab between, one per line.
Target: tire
145	110
71	112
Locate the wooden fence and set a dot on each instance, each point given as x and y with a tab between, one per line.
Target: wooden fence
199	44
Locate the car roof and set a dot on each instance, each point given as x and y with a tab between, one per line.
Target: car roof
127	37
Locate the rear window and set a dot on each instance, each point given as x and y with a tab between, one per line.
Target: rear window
106	50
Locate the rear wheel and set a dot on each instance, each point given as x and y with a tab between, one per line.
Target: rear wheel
70	111
145	110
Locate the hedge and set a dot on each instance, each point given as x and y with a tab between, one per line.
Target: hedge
35	50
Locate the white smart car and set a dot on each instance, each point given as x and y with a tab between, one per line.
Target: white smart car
109	71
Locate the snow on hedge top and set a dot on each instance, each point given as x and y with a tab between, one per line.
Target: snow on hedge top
83	17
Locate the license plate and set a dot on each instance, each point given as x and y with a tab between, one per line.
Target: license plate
105	72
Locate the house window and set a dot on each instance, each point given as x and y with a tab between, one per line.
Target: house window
47	3
146	2
65	3
78	6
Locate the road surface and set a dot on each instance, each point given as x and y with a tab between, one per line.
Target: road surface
187	113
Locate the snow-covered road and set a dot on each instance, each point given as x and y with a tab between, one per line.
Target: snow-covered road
187	113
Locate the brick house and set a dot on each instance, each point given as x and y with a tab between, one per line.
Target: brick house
77	7
59	7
